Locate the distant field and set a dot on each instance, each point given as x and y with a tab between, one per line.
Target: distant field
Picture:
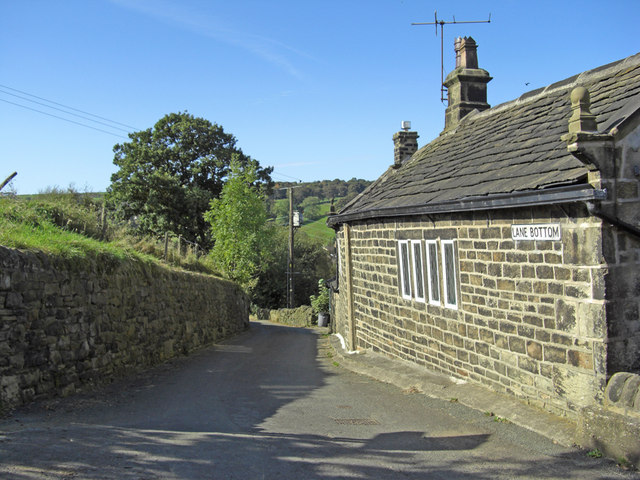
319	229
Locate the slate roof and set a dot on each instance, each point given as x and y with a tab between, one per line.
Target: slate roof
504	154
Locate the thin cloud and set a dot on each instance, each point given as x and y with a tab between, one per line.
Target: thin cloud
270	50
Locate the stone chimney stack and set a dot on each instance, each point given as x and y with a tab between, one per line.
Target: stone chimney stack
466	85
405	144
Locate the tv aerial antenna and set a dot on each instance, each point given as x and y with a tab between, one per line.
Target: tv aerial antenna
442	23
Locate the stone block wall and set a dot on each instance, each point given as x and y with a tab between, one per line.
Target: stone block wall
614	428
622	287
622	254
294	317
65	325
531	315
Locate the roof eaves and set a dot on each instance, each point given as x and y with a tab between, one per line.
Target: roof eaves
560	195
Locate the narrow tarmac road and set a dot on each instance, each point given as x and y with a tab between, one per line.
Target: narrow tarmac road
272	404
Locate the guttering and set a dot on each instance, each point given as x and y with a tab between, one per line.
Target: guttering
571	194
595	210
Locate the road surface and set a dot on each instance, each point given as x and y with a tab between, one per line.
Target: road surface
272	403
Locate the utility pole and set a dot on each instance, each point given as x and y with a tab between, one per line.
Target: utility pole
290	270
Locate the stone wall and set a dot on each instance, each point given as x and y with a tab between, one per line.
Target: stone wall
294	317
531	316
614	428
67	324
622	252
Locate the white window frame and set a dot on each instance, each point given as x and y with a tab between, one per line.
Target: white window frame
445	279
418	270
433	289
405	268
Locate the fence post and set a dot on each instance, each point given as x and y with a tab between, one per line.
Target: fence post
103	222
166	244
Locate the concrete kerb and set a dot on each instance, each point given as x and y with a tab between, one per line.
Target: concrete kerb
408	376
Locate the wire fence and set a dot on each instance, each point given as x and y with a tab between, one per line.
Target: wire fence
180	247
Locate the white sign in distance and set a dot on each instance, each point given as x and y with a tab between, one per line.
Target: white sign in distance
547	231
297	218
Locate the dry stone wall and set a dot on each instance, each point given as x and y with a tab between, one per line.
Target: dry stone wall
67	324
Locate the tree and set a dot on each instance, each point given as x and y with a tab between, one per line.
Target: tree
312	208
169	174
239	227
312	262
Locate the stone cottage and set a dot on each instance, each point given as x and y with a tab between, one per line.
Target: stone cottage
506	251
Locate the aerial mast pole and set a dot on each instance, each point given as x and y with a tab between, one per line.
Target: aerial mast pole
442	23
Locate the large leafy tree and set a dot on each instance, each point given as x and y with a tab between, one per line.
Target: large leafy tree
169	174
242	237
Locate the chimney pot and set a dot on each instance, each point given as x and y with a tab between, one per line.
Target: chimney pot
467	54
457	46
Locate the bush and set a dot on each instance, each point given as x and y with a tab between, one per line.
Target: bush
320	302
312	262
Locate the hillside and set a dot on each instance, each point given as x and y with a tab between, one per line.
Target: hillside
314	200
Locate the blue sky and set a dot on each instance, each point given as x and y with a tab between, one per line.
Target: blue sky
315	89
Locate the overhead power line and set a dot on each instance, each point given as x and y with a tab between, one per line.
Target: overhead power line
68	107
288	176
65	111
62	118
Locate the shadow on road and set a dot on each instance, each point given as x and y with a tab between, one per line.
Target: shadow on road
215	415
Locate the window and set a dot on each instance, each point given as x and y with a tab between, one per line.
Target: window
433	275
418	270
449	274
405	273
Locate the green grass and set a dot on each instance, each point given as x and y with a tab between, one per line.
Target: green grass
318	229
67	227
36	232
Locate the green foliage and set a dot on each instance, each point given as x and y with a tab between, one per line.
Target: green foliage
69	210
169	174
315	199
319	231
50	227
311	262
595	453
70	225
312	209
624	463
320	302
324	189
280	210
238	219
